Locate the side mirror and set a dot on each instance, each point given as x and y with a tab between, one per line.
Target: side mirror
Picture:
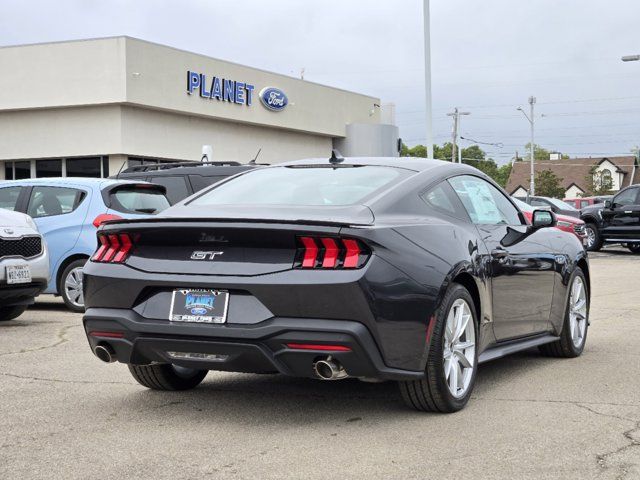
608	204
542	219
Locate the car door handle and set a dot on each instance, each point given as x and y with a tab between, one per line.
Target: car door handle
499	253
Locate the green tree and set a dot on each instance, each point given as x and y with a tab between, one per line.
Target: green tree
548	184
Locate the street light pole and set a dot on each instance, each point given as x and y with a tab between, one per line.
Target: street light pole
427	77
531	119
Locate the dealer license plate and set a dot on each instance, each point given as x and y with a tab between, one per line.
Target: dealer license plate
199	306
18	274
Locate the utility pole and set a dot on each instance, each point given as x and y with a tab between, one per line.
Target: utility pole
454	133
531	119
427	77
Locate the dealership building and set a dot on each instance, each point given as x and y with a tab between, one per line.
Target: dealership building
92	107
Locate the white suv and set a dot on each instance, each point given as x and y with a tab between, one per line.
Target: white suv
24	263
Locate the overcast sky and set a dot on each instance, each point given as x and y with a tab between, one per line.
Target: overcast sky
487	56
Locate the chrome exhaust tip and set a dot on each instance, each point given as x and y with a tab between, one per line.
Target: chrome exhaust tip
329	369
105	353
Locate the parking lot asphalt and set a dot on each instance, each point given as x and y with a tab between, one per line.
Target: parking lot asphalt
67	415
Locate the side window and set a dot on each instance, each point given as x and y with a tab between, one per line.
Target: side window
628	197
50	201
198	182
9	197
584	203
441	198
484	203
538	203
176	187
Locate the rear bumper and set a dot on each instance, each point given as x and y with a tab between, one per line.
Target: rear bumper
21	294
257	348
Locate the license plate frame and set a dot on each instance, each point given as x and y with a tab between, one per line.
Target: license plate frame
18	274
199	305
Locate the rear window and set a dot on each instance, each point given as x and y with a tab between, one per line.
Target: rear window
303	185
137	200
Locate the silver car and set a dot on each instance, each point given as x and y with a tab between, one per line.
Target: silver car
24	263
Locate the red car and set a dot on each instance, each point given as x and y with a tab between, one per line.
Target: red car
580	203
565	223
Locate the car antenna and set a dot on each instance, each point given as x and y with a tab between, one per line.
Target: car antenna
120	170
253	161
336	157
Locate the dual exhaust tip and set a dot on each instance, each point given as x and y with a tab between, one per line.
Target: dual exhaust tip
325	369
329	369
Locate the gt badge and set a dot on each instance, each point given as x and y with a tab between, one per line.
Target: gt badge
204	255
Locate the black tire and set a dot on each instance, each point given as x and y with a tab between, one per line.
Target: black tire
167	377
634	247
71	303
565	348
432	394
9	313
597	243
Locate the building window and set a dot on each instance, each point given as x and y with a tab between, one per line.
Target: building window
8	170
606	180
23	170
84	167
48	168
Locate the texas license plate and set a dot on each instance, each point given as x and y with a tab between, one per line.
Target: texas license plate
18	274
199	306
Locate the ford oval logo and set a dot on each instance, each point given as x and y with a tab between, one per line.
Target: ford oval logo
273	98
198	311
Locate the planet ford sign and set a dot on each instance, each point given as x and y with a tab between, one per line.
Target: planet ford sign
233	91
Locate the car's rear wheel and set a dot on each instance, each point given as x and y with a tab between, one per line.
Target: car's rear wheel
452	362
576	321
70	287
9	313
634	247
167	376
594	242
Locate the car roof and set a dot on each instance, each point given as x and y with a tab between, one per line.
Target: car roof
190	168
75	181
410	163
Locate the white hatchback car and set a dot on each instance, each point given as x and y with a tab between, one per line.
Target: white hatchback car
24	263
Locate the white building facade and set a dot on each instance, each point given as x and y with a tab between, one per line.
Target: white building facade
92	107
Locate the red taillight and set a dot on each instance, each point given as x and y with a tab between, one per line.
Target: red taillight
114	248
317	346
330	253
310	252
352	255
104	217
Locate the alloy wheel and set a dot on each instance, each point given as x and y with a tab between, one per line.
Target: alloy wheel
73	287
459	350
578	312
591	237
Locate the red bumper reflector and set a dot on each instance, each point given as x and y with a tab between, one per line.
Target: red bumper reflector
330	253
107	334
310	252
313	346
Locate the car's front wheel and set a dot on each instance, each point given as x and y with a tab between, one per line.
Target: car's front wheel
453	360
576	321
166	376
594	242
70	287
9	313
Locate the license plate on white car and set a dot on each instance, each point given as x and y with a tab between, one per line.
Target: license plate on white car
199	306
18	274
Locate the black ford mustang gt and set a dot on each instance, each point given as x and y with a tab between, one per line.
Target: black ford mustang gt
376	268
